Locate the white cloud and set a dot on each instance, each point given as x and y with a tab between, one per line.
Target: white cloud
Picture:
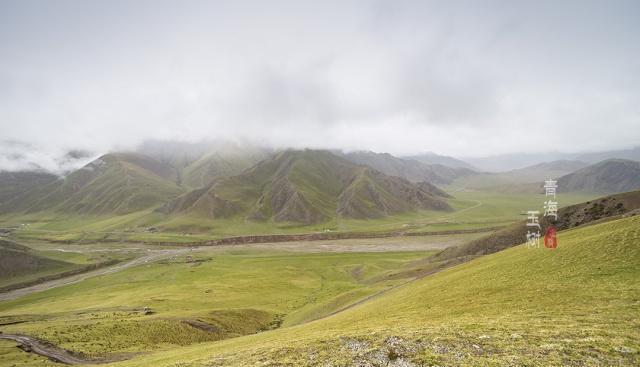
460	78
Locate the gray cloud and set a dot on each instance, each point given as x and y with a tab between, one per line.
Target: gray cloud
460	78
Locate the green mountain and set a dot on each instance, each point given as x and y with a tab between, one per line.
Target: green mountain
410	169
307	186
610	176
116	183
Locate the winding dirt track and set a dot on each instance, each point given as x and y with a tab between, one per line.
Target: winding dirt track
150	257
45	349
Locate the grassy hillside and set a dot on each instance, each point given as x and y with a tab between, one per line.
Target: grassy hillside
19	262
306	187
575	305
20	265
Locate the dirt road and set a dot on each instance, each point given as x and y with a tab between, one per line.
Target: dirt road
435	240
56	354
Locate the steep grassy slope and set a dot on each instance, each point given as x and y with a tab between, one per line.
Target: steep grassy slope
610	176
112	184
576	305
307	187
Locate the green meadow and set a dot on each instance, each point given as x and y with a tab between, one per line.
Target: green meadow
239	292
576	305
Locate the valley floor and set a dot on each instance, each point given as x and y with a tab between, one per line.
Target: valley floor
352	302
207	293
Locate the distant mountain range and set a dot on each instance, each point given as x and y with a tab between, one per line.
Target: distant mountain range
433	158
507	162
301	186
606	177
630	154
410	169
308	186
610	176
519	180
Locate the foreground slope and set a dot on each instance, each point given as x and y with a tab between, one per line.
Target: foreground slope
575	305
307	187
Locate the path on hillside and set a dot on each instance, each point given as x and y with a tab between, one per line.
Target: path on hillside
387	290
54	353
478	203
151	256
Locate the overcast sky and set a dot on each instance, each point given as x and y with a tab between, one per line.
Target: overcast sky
463	78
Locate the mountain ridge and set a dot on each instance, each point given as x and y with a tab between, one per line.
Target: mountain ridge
308	186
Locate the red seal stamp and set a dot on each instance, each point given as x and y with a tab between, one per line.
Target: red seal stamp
550	239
